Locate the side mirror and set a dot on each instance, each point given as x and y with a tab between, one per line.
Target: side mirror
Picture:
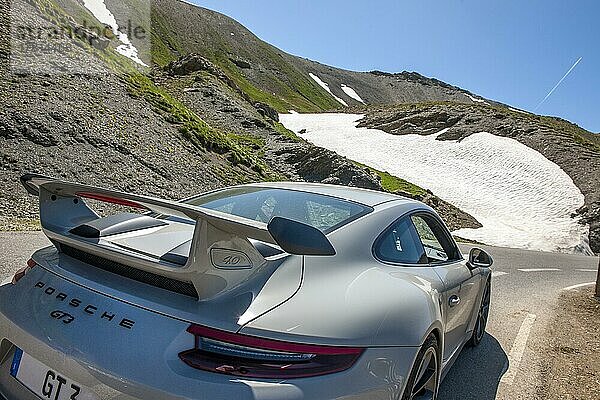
297	238
479	259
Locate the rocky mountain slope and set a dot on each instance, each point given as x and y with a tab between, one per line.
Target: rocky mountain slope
182	127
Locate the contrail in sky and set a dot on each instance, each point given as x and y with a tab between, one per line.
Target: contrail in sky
559	82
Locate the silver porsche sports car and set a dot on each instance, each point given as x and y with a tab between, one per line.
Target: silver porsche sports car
260	291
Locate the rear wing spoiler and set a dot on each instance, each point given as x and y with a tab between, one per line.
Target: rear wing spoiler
59	200
62	208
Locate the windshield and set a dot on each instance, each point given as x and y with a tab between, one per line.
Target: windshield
325	213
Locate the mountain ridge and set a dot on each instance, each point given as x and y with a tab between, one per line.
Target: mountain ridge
291	73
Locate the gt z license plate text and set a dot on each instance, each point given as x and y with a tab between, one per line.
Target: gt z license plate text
46	382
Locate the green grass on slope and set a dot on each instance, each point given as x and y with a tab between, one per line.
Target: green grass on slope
252	91
394	184
192	126
302	96
283	131
300	87
53	12
580	135
590	142
164	47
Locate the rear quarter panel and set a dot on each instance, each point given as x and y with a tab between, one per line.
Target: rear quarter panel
371	306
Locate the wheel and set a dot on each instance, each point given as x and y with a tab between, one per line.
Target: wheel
482	317
424	377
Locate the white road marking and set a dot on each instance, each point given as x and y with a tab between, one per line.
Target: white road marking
579	286
518	348
538	269
498	273
586	270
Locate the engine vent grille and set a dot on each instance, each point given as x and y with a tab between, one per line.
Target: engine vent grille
163	282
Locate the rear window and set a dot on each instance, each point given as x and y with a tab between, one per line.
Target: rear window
323	212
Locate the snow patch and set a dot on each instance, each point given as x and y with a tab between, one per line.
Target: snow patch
352	93
517	110
522	199
292	111
476	100
326	87
103	14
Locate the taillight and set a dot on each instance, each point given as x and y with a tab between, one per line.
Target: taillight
110	199
21	272
253	357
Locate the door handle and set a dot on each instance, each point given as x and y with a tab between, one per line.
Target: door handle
454	300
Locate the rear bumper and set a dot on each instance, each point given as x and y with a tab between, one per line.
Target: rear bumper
143	363
374	378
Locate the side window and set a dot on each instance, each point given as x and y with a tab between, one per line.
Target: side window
400	243
438	248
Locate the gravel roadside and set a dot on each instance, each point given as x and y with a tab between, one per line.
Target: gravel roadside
572	368
16	248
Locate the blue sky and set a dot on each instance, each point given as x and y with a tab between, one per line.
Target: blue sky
510	51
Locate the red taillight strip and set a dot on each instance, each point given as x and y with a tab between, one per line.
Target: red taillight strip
110	199
269	344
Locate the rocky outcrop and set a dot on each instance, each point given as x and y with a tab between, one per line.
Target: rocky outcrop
454	217
267	111
92	38
240	63
191	63
316	164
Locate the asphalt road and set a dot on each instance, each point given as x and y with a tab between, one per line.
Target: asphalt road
526	286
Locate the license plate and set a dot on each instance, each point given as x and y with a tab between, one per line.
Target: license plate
46	382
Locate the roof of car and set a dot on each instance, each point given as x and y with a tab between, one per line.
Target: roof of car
363	196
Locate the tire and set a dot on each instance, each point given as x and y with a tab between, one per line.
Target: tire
425	373
482	317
